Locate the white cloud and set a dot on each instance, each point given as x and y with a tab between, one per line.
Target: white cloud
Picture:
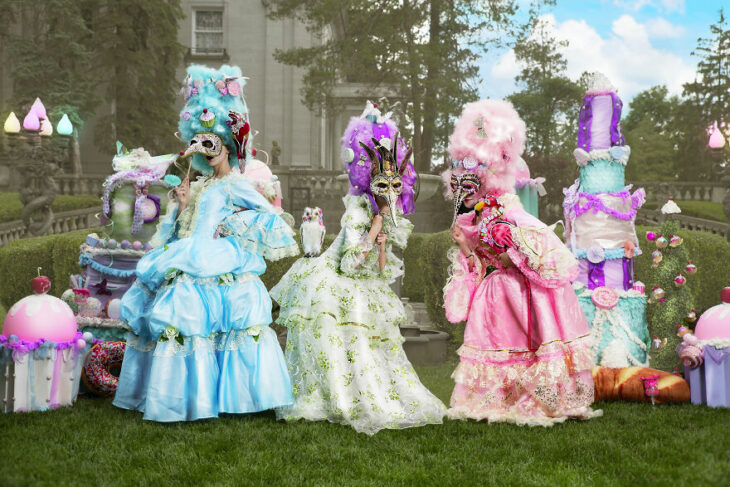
625	55
669	6
662	29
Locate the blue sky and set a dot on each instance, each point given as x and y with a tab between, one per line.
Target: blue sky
636	43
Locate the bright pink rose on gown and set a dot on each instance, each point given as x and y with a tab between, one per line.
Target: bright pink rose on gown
526	356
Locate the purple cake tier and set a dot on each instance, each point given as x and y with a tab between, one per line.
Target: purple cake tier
614	273
599	122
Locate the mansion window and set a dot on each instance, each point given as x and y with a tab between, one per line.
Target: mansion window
208	32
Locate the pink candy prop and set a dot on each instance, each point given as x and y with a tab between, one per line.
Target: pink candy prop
604	297
715	322
40	316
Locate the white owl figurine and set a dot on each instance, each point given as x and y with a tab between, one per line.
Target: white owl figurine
312	231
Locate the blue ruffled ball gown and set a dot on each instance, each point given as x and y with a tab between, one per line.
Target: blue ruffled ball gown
200	343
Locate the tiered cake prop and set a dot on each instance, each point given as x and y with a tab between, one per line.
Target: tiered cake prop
600	212
134	198
528	189
41	352
706	355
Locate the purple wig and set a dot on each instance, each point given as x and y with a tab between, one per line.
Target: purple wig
356	163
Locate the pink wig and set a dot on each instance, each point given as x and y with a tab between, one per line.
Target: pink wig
492	133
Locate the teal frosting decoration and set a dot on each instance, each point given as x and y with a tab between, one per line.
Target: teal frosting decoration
602	176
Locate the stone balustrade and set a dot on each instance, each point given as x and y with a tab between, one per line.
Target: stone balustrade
81	184
67	221
713	191
654	217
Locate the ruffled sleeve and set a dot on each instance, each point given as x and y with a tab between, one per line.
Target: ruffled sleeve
166	226
355	225
244	195
265	234
540	255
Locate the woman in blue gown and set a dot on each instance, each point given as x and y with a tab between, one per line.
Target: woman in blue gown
200	343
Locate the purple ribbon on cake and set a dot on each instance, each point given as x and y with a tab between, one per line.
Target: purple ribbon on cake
596	275
628	265
595	203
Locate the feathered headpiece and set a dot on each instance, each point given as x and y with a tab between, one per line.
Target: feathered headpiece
215	114
373	153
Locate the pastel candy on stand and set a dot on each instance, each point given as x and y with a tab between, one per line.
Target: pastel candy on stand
706	356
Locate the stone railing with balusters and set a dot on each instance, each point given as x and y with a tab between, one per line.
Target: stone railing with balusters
67	221
85	184
683	191
654	217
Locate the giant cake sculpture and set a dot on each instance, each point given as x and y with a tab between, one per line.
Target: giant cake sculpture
600	211
134	198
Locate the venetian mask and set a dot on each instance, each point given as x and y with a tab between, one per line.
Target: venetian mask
463	186
385	175
205	143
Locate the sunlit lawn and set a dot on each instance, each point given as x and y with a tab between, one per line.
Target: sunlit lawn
94	443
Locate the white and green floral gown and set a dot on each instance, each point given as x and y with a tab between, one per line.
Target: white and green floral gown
344	348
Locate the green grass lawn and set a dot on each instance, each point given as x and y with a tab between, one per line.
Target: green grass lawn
11	207
699	209
94	443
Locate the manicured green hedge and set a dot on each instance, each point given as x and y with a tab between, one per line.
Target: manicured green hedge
57	255
414	279
425	261
11	208
710	253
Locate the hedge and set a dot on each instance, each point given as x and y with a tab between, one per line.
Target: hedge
425	262
11	208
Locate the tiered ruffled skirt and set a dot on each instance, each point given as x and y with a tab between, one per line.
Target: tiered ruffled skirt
500	378
344	352
201	347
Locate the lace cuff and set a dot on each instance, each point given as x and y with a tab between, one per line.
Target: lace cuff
353	257
460	286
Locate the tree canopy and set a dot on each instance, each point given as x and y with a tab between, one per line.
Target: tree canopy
425	50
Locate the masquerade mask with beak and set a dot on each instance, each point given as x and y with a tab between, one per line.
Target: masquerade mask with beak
385	175
462	187
205	143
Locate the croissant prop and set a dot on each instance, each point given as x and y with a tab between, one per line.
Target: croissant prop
626	385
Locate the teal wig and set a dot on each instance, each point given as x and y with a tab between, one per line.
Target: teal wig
217	91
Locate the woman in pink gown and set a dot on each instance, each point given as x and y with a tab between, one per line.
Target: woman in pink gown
526	355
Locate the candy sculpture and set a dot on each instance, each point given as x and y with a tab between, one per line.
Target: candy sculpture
706	355
41	353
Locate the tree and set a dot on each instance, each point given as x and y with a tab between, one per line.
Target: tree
708	98
51	56
425	49
549	104
136	55
711	88
77	55
651	131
